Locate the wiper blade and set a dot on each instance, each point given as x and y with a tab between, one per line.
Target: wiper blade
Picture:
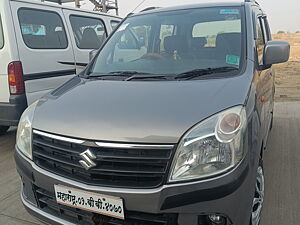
145	77
116	74
128	73
107	75
203	72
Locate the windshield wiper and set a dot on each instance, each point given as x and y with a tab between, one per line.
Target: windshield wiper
116	74
145	77
203	72
128	73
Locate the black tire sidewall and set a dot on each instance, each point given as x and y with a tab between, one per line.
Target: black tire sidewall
261	164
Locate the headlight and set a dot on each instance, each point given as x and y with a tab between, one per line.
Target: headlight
212	147
24	134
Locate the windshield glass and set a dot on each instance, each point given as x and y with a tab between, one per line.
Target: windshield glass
175	42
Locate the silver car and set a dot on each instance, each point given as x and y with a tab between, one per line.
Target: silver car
166	126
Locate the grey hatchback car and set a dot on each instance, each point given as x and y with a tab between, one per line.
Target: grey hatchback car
166	126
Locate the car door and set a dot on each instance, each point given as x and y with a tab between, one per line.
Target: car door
89	31
43	44
264	85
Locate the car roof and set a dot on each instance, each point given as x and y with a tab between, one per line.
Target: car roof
66	7
192	6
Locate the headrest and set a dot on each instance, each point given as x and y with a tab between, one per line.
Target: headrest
90	39
175	43
198	42
228	38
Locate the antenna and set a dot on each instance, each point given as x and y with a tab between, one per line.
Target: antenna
138	6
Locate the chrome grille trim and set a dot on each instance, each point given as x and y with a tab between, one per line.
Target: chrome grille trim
105	144
60	138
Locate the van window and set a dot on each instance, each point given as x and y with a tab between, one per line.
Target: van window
1	35
42	29
114	24
89	32
267	31
260	42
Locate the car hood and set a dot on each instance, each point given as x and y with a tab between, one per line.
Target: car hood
135	111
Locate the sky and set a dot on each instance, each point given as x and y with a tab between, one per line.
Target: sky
283	14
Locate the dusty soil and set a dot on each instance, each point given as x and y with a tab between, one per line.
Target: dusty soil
288	74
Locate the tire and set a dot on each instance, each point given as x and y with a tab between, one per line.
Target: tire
258	196
3	129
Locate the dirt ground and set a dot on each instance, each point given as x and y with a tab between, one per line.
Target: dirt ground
288	74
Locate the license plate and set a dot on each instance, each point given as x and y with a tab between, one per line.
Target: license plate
97	203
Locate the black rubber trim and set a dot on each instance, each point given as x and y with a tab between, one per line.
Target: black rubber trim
73	63
11	112
23	167
60	73
204	195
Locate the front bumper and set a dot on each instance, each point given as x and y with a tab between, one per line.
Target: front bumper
229	195
11	112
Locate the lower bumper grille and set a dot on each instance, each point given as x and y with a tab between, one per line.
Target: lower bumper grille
46	202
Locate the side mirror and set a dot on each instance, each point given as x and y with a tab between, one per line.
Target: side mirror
276	52
92	54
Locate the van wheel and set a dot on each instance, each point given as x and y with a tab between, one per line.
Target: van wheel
3	129
258	196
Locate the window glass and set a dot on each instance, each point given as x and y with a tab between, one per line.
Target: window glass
165	32
210	30
1	35
132	45
174	42
114	24
42	29
267	30
260	42
89	32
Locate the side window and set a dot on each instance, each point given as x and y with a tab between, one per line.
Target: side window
114	24
42	29
267	30
1	35
89	32
260	41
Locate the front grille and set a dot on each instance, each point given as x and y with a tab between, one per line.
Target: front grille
46	202
115	167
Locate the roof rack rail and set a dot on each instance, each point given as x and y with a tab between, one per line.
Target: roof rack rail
253	1
149	8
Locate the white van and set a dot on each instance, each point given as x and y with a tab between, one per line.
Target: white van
42	45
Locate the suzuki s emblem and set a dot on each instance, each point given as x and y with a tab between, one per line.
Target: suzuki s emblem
87	159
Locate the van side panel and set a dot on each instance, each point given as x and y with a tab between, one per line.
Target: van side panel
9	52
38	29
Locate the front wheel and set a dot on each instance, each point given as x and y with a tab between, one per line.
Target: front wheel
258	196
3	129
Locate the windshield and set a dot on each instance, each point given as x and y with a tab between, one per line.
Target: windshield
175	42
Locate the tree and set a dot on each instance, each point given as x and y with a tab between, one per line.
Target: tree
298	32
281	32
